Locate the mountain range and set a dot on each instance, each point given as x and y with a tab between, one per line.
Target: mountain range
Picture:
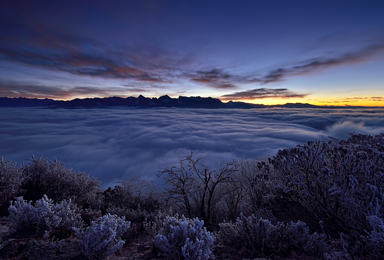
141	102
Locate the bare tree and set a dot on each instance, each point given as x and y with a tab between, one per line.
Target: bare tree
195	188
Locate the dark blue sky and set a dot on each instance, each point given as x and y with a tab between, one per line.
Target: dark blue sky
320	52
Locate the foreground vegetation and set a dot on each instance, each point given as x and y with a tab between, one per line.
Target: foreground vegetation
320	200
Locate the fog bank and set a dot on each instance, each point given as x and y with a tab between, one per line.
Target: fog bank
114	144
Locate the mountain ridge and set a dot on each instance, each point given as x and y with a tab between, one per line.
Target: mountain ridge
144	102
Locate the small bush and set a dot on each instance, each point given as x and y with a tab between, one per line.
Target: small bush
299	237
153	223
263	238
376	236
58	183
103	237
43	216
136	216
134	198
11	178
185	238
44	250
88	215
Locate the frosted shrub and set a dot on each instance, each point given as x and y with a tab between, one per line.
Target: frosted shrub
11	178
58	183
337	183
134	198
135	216
255	181
258	234
103	236
370	244
88	215
137	193
153	223
43	216
376	236
185	238
298	236
264	238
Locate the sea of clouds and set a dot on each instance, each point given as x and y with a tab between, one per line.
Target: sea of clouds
113	144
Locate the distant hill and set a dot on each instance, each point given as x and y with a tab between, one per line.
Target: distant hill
143	102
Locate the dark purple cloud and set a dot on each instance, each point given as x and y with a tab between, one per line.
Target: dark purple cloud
320	63
219	79
215	78
54	48
261	93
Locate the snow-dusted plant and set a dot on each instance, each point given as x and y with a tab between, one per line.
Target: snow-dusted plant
376	236
153	223
371	244
298	235
336	183
103	236
264	238
11	178
185	238
58	183
258	234
43	216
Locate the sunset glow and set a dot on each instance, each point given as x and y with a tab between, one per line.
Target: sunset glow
265	52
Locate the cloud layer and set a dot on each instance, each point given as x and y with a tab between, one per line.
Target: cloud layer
113	144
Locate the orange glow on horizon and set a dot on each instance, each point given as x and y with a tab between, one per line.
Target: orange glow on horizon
368	102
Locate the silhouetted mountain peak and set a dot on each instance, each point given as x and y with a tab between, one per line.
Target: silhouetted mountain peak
140	101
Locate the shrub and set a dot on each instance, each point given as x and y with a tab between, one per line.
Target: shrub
136	193
43	216
42	250
263	238
185	238
11	178
371	244
336	183
135	199
135	216
103	236
58	183
153	223
88	215
299	237
375	238
250	191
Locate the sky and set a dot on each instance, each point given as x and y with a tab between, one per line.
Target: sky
328	52
115	144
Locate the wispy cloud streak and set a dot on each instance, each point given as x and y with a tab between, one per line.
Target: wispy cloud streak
316	64
261	93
